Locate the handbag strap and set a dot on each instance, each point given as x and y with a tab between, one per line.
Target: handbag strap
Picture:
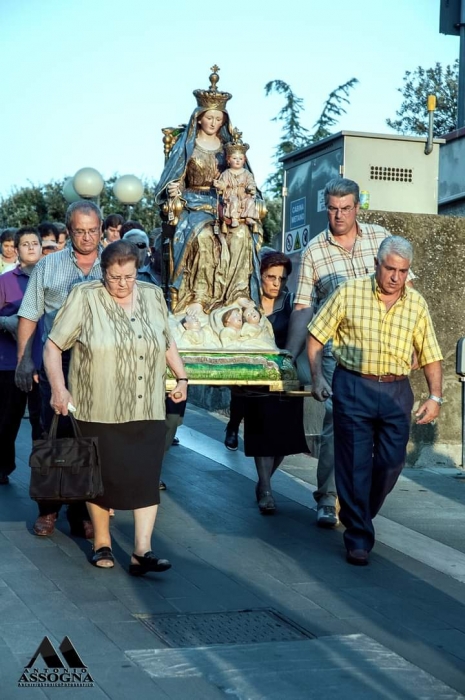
53	428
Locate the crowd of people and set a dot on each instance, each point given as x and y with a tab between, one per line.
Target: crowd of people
60	349
83	323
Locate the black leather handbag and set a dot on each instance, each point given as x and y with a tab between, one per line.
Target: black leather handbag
65	469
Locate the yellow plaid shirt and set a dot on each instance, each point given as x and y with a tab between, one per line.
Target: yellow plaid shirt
370	339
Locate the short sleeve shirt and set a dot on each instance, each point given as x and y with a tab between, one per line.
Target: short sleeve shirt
325	264
51	281
118	367
371	339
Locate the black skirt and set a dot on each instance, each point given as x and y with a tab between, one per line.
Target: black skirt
131	455
274	425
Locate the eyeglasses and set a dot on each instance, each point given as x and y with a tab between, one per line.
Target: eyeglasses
140	245
344	210
274	278
121	278
79	232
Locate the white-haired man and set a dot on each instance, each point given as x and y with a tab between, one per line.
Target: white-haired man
374	323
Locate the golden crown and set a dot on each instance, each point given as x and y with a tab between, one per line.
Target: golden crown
212	98
236	143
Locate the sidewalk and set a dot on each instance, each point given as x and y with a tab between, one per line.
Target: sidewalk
299	621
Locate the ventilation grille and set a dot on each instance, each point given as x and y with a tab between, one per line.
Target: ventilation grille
228	627
383	172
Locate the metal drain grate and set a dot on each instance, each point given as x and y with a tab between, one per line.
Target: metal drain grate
232	627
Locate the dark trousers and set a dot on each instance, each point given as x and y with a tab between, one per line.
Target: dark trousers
236	408
77	511
14	403
371	429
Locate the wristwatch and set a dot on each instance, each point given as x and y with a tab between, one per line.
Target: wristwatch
438	399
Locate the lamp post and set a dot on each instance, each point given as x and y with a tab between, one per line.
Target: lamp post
128	190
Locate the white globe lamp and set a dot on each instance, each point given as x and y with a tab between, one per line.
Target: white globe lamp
88	183
69	193
128	189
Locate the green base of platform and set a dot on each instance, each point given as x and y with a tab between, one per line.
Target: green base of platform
274	370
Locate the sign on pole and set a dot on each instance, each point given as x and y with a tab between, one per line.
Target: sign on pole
449	17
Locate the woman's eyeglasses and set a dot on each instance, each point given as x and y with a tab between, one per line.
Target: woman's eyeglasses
274	279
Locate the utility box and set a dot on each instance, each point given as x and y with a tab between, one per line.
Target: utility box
394	170
452	174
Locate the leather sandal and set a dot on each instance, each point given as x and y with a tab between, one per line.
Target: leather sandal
148	562
104	555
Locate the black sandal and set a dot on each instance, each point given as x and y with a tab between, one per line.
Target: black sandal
103	554
147	563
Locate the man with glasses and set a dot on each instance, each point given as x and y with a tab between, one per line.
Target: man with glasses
49	285
346	249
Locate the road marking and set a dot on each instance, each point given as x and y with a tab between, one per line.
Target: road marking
421	548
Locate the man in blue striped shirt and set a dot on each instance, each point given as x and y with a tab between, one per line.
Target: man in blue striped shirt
49	285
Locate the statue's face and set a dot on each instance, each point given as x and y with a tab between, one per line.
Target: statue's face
236	160
252	315
192	323
210	122
235	319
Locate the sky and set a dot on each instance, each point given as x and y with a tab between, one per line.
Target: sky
93	82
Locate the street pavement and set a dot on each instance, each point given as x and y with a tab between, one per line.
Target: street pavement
254	607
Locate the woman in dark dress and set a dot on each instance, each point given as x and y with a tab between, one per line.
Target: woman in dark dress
273	422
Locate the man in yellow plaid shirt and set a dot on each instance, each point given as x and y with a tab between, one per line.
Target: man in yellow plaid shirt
375	323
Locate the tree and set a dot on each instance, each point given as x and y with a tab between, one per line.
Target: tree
417	85
294	135
31	205
272	221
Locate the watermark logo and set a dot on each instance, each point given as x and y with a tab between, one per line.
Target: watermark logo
60	670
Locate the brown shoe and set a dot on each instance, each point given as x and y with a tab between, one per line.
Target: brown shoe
358	557
44	526
84	529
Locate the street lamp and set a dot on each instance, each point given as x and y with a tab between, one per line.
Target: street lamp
69	193
129	190
88	183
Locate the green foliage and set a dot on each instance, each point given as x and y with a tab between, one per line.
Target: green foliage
31	205
272	223
294	135
333	109
412	116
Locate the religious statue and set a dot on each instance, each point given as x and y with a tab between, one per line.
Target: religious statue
237	185
213	256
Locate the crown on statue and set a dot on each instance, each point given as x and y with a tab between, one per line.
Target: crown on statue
236	143
212	98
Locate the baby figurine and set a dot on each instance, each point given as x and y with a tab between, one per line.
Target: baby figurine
237	185
257	331
190	333
251	327
232	322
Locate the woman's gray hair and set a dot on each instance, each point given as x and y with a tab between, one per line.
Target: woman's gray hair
395	245
341	187
86	207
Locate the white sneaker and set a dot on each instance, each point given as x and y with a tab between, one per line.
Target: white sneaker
326	516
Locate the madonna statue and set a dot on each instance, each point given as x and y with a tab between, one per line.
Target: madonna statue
212	264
